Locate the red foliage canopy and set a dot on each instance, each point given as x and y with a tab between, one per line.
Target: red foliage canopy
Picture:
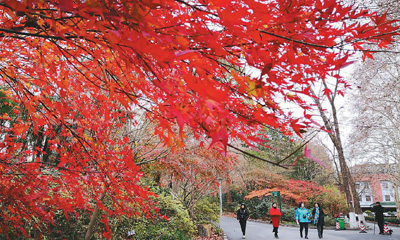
74	71
297	190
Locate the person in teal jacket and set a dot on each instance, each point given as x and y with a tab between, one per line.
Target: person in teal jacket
303	217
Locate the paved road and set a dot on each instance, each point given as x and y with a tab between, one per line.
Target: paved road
260	231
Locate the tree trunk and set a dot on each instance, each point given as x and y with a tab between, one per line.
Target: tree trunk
396	198
393	174
345	177
334	134
356	197
93	220
228	197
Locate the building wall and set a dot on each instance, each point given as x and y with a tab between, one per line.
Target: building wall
378	184
365	191
374	189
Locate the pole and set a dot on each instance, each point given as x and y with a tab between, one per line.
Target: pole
280	205
374	225
220	196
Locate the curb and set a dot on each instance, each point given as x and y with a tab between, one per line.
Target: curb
310	226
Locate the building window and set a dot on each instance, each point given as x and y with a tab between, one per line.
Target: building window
368	198
357	186
367	185
385	185
387	198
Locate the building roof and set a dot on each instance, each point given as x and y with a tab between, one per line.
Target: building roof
385	204
371	169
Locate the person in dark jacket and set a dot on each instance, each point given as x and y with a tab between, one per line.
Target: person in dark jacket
378	209
319	219
242	216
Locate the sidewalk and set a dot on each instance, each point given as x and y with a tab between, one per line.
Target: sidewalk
370	226
260	230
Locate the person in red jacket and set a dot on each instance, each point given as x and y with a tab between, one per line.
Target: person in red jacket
275	214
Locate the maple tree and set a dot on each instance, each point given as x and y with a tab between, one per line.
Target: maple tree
194	172
290	189
71	72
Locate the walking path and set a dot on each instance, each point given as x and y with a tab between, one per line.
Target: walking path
371	226
260	231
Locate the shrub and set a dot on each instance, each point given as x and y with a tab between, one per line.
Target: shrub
330	221
237	198
259	207
387	219
392	220
370	218
206	210
72	228
162	231
333	201
179	226
288	214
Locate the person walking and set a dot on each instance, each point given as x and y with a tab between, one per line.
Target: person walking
302	218
378	209
242	216
319	219
275	214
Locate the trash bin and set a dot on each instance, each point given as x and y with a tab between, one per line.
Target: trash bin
341	223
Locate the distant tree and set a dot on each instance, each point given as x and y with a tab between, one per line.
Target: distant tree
193	173
376	128
333	200
307	170
329	91
292	191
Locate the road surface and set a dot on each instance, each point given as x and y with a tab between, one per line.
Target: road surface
260	231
